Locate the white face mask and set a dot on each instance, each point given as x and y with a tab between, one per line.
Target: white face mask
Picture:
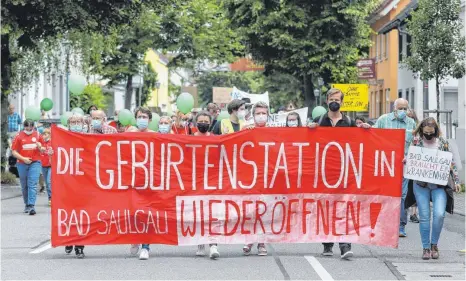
260	119
241	114
28	132
293	123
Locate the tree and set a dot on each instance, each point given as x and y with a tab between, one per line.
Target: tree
193	30
92	95
26	24
305	38
438	48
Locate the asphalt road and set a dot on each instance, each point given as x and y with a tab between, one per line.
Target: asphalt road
26	254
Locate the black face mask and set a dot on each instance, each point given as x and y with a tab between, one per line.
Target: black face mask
428	137
334	106
203	127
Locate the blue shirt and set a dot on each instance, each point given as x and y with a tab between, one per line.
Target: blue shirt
389	121
14	122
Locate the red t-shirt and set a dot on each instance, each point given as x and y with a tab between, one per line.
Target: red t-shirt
45	158
180	130
26	145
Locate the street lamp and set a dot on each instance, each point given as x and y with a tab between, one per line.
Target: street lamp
317	95
67	47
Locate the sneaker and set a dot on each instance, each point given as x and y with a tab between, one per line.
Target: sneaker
68	249
327	251
434	252
426	254
50	202
414	218
32	212
27	209
42	189
261	250
144	254
402	231
79	253
134	249
200	250
214	254
346	252
247	249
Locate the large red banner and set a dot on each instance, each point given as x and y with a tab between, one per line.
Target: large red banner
280	185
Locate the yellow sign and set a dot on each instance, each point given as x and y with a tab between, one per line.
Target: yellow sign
356	96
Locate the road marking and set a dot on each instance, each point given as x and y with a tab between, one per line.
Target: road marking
320	270
41	249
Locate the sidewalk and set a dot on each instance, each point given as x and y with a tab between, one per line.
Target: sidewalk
10	191
460	203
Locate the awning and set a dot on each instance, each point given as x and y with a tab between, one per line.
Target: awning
399	19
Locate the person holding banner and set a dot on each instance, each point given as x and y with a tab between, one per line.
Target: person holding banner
398	119
181	126
334	118
428	135
213	110
143	118
27	147
99	125
237	110
164	128
293	120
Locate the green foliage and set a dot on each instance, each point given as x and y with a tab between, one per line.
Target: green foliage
92	95
305	38
438	48
150	79
8	178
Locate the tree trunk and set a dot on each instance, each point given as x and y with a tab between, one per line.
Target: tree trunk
437	86
309	99
129	92
6	80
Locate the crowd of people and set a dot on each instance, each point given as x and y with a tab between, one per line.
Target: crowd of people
31	147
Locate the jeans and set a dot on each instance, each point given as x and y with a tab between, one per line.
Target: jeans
403	211
145	246
341	245
28	177
47	172
439	204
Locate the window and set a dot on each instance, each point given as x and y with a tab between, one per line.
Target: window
407	95
382	46
377	48
426	95
400	47
381	103
408	45
411	99
400	94
386	45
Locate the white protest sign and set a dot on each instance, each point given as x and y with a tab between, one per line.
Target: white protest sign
238	94
279	120
428	165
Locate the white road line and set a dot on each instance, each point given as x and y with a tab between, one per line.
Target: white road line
323	274
41	249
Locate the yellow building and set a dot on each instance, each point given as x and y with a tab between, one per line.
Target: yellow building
385	21
159	97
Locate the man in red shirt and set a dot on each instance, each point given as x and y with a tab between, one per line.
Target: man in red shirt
27	147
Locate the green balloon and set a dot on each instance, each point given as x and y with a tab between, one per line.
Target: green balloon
133	121
46	104
64	118
154	125
76	84
78	111
318	111
272	110
124	117
223	115
33	113
185	102
155	117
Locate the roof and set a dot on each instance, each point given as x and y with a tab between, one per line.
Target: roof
400	19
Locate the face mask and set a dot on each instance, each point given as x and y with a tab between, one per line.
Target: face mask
260	119
401	114
429	137
292	123
28	132
76	128
164	128
183	123
334	106
41	130
96	124
142	123
241	114
203	127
